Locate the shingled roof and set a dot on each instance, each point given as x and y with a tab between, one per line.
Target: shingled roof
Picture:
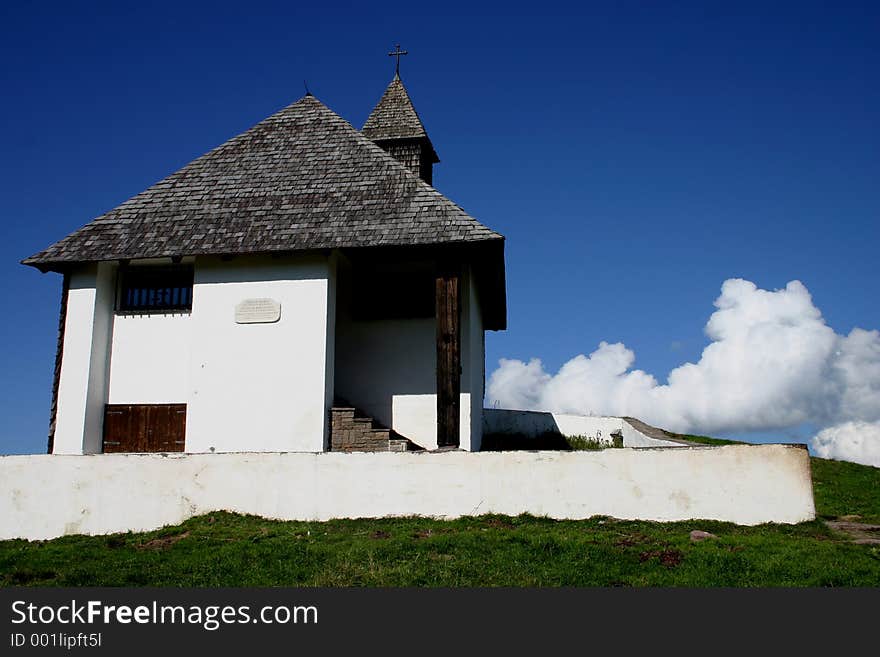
395	117
302	179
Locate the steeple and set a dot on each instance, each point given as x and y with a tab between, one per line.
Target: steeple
395	125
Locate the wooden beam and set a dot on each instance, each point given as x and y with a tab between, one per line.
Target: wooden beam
448	307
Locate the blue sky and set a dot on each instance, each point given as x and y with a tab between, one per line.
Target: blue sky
635	155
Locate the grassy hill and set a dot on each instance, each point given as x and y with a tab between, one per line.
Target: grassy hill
224	549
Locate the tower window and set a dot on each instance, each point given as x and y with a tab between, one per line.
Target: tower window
155	289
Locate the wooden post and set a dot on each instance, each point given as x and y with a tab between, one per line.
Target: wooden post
448	306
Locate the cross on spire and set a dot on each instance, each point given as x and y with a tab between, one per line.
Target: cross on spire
397	52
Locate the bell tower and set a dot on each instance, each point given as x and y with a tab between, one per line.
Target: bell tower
395	126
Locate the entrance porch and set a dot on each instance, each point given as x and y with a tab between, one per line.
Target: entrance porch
406	326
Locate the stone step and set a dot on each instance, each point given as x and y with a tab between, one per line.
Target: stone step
351	431
342	413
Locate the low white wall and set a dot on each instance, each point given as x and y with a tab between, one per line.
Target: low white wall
632	437
47	496
535	423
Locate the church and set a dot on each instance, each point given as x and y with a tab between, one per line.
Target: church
292	326
300	288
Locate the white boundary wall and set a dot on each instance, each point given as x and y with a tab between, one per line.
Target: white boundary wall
51	495
599	428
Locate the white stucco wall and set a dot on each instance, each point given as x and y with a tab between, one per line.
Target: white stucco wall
150	359
330	346
535	423
386	368
82	386
259	387
47	496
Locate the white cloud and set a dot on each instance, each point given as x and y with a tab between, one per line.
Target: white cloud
772	363
850	441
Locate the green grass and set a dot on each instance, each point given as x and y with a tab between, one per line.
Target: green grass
842	488
705	440
224	549
588	444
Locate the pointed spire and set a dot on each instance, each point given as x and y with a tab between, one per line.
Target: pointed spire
395	125
394	117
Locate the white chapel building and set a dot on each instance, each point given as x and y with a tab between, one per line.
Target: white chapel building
300	288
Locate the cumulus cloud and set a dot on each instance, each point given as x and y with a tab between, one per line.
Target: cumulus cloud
772	363
850	441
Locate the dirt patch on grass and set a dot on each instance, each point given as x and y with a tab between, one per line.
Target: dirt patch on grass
163	542
114	542
857	532
630	540
497	523
380	534
26	576
669	557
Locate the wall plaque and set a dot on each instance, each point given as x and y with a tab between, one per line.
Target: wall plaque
257	311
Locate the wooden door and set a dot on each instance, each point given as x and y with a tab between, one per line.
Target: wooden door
144	427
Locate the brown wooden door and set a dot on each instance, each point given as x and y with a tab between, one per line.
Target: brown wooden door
144	427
